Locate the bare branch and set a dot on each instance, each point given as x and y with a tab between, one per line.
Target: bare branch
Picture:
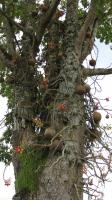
94	72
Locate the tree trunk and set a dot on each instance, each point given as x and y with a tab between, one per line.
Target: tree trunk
51	125
61	176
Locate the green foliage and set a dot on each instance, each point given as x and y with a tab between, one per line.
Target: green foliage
5	150
32	163
7	91
104	9
5	154
105	29
6	136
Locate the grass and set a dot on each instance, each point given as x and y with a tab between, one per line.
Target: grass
32	163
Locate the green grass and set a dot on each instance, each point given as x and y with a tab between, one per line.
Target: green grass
32	164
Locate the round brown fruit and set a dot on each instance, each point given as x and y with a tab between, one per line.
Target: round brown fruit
44	8
92	62
96	117
80	89
49	133
87	87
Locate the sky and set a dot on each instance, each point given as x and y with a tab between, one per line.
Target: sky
104	60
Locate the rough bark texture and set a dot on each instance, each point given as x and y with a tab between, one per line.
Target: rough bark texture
61	177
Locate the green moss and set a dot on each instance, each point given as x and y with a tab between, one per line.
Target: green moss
32	163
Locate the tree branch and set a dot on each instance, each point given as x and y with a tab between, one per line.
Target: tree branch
88	25
95	72
51	11
45	20
89	42
42	25
10	20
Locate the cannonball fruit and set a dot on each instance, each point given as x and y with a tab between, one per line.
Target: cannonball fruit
92	62
44	8
96	117
49	133
87	88
80	89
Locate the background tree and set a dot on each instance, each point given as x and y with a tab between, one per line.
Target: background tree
52	120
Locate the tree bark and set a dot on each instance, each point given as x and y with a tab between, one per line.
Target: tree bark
61	177
49	166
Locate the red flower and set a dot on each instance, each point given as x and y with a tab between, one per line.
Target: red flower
18	149
61	107
7	182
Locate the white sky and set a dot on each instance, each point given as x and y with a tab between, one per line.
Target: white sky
104	60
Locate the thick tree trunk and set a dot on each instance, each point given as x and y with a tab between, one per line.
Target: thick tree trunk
61	175
49	137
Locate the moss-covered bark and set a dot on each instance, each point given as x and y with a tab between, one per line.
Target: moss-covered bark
44	68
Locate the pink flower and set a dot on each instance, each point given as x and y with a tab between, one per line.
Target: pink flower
7	182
